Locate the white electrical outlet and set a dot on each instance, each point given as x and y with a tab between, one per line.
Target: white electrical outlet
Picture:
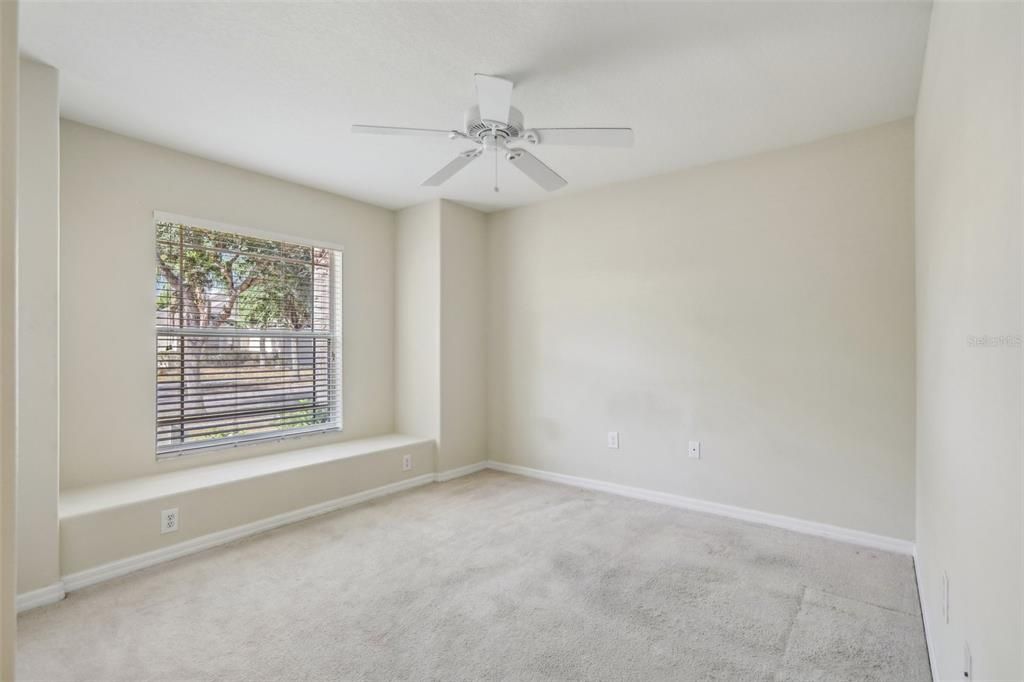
613	439
406	462
169	520
694	450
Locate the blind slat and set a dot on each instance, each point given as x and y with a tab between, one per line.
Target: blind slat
222	404
236	423
175	390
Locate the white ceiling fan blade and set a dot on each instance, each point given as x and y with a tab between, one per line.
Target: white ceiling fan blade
494	95
595	137
534	168
391	130
453	167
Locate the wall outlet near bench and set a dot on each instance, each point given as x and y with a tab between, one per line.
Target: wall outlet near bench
169	520
406	462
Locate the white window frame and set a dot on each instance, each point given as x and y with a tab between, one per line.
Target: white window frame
337	296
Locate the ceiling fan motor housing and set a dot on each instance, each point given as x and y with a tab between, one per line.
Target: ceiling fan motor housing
483	130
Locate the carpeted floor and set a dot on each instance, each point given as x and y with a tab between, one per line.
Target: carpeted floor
494	576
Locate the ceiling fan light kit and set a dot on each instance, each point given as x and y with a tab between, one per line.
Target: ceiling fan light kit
494	124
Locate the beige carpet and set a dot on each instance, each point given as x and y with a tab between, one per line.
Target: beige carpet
492	577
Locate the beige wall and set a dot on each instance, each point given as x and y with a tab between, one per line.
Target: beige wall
110	186
439	349
418	321
8	219
38	331
969	222
463	348
763	306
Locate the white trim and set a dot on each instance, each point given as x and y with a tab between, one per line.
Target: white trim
291	238
51	594
924	618
115	569
448	475
823	530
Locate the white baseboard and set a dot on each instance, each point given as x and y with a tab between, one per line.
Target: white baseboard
449	474
114	569
51	594
924	618
823	530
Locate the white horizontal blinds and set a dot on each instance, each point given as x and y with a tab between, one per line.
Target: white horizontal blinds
247	338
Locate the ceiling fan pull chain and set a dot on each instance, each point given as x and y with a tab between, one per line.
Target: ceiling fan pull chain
496	150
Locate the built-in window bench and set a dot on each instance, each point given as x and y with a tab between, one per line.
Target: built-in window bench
111	529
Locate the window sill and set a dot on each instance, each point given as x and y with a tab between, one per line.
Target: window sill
217	446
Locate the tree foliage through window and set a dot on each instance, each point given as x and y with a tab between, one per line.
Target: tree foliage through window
246	336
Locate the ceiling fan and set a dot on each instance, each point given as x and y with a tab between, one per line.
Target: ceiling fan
495	126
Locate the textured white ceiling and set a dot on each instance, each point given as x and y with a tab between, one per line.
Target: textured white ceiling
274	87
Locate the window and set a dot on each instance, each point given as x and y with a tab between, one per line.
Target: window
248	338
